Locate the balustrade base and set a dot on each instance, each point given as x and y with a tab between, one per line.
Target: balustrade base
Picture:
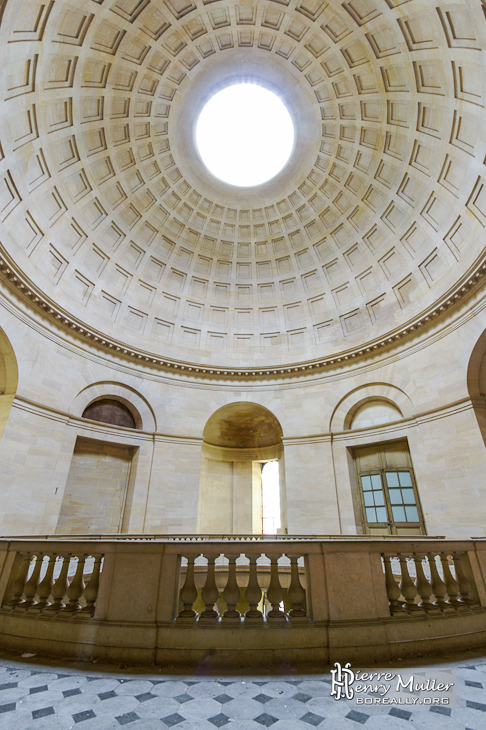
277	647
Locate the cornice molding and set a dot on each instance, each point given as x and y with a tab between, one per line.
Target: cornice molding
470	283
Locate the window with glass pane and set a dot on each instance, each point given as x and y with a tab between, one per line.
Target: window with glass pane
388	494
402	497
374	499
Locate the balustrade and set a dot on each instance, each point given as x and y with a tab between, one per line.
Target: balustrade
428	582
265	580
54	585
297	600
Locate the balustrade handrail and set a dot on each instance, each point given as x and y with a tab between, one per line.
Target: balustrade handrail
142	537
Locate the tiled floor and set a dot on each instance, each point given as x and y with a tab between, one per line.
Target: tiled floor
36	695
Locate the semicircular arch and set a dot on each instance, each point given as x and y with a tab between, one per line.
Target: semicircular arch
142	412
348	406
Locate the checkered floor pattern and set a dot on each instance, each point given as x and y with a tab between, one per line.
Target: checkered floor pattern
43	697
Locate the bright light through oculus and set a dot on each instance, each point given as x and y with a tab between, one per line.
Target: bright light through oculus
245	135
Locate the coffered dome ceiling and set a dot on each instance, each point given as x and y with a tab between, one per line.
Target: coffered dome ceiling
109	213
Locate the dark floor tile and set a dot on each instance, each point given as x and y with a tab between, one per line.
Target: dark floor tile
172	720
312	719
127	718
402	714
468	683
35	690
107	695
476	705
225	684
219	720
443	710
71	692
44	712
266	720
145	697
7	708
82	716
262	698
9	685
223	699
360	717
301	697
260	684
183	698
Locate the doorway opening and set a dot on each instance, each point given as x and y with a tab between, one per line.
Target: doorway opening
271	514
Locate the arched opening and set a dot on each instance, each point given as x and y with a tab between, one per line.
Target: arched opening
476	382
239	439
9	376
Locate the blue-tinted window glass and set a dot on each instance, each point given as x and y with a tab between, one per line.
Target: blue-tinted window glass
376	481
405	479
395	496
381	514
368	499
392	479
408	496
366	484
379	498
412	514
398	514
371	514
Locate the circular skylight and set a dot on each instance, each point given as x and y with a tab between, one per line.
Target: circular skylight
245	135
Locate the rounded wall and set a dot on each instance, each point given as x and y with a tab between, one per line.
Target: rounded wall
310	408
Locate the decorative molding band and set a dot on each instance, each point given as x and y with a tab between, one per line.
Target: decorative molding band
471	282
446	411
97	428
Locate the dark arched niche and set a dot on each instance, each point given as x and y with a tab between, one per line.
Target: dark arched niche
108	410
9	377
476	382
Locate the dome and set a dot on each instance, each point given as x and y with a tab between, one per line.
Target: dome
112	224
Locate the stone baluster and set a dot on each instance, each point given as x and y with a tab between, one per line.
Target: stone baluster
424	589
210	593
253	593
275	591
45	586
392	590
295	592
464	583
407	586
231	594
76	588
91	590
188	593
438	585
30	588
451	583
19	582
59	588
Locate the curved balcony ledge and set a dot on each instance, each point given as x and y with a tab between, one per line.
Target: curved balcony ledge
241	603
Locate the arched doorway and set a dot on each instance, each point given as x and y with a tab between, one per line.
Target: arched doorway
239	439
476	382
9	377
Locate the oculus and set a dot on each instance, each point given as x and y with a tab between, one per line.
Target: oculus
245	135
